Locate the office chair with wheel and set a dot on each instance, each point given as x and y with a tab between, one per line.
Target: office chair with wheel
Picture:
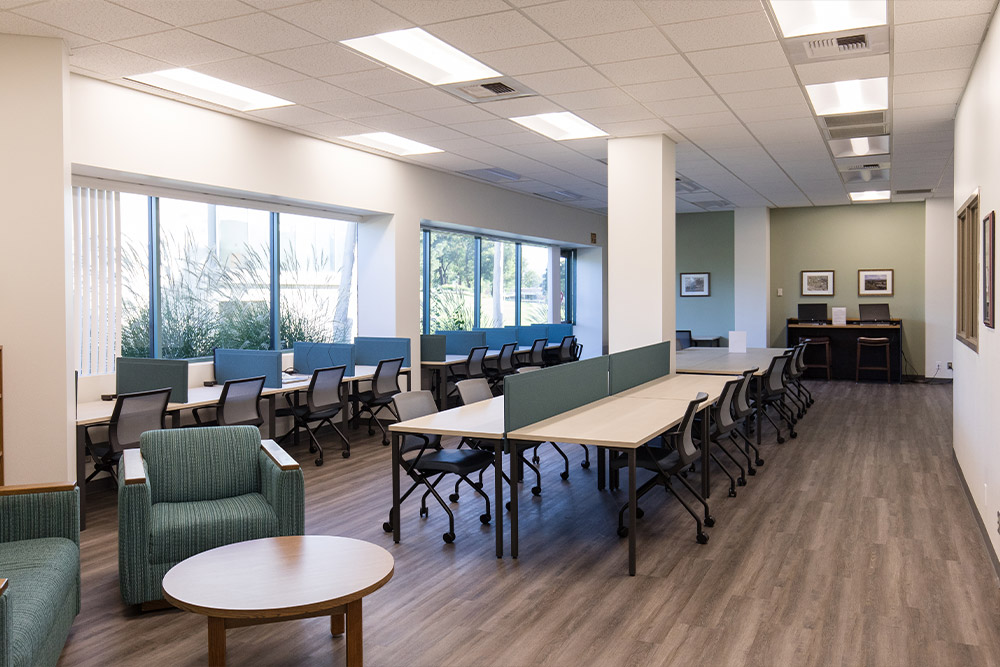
800	369
744	413
504	367
792	382
323	404
133	415
577	351
772	387
474	367
385	385
536	356
720	428
239	405
422	457
562	355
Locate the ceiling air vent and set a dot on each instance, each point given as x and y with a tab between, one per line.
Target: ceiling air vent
856	131
560	195
854	119
835	46
840	45
846	164
488	91
493	175
918	191
685	186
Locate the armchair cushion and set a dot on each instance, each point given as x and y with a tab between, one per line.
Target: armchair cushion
201	463
181	530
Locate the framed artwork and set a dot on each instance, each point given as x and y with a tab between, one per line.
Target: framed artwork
817	283
989	269
874	282
695	284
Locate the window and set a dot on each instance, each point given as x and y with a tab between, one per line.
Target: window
534	284
451	272
967	298
497	283
567	286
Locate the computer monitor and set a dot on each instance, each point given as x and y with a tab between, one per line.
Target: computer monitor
874	312
812	312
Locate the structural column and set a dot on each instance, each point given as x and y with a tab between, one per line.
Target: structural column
36	263
752	273
641	242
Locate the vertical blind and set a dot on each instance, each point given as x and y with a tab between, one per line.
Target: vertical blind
97	296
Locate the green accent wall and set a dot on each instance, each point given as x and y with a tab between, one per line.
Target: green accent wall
705	244
846	239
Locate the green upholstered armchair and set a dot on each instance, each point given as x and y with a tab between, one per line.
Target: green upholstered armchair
189	490
39	571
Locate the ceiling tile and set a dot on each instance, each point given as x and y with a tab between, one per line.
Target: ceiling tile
448	161
432	133
342	19
268	5
179	47
322	60
294	115
592	99
530	59
909	11
523	106
722	31
462	144
184	12
739	59
684	123
355	107
250	71
488	128
96	19
775	113
565	80
941	34
843	70
434	11
627	45
937	112
677	11
519	138
668	90
647	70
374	81
635	128
688	106
339	128
731	136
925	81
417	100
785	131
776	77
305	91
618	114
582	18
256	33
465	113
13	24
756	99
932	60
112	61
490	33
398	122
930	97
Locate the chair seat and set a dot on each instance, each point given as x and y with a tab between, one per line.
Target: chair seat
302	412
39	572
181	530
368	397
460	461
648	458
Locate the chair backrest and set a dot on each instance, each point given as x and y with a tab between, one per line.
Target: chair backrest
240	402
505	363
474	364
723	409
686	449
577	351
385	382
683	338
537	350
774	380
134	414
324	388
796	367
209	463
566	349
474	390
410	405
742	408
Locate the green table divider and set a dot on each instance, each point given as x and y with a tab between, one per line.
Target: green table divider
532	397
630	368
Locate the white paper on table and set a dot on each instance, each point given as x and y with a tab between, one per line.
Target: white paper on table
840	315
738	342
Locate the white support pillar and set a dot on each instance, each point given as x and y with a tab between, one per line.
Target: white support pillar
555	285
39	409
641	242
752	273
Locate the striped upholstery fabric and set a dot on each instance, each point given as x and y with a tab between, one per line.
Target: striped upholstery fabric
29	515
220	488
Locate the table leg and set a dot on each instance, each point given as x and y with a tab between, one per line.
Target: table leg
760	407
271	419
601	467
511	456
438	371
354	403
81	472
498	494
355	646
216	642
394	514
633	507
409	380
336	624
344	412
175	419
706	484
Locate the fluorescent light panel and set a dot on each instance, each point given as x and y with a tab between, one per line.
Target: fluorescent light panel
391	143
859	146
208	88
422	55
560	125
870	195
851	96
811	17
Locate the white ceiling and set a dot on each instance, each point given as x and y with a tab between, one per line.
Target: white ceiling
711	74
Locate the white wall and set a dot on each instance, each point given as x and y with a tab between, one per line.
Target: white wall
939	285
38	401
752	273
977	135
591	328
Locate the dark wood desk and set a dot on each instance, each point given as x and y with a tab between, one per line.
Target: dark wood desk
706	341
843	346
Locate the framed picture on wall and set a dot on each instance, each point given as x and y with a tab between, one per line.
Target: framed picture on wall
817	283
695	284
989	268
874	282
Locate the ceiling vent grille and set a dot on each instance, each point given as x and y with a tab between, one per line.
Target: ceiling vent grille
836	46
856	131
852	119
560	195
715	205
493	175
862	163
840	45
488	91
918	191
866	176
685	186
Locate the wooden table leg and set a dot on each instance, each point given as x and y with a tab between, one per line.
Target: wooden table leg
216	642
336	624
355	646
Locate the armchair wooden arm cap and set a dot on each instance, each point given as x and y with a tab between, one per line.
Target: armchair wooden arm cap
19	489
3	586
280	457
135	472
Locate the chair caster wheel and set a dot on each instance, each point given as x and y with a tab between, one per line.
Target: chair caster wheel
485	518
622	531
709	521
751	471
319	462
732	492
564	475
453	497
780	440
423	512
759	462
584	464
794	434
387	527
741	481
385	443
639	513
536	490
702	538
448	538
346	455
535	459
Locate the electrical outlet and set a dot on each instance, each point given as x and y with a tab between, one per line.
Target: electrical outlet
781	292
950	366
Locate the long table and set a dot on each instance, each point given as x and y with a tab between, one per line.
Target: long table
439	368
844	341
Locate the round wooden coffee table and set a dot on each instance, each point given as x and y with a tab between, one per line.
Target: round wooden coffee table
280	579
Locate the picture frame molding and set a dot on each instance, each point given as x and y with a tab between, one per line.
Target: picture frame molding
890	291
708	283
802	282
989	270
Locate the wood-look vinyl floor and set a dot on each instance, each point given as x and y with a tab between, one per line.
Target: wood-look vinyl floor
853	545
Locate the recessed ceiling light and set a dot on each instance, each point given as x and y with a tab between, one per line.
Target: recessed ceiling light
810	17
423	55
859	146
560	125
391	143
849	96
870	195
208	88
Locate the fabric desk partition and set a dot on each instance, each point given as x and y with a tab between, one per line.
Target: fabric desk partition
631	368
532	397
559	331
432	348
497	338
461	342
238	364
369	350
529	334
307	357
146	374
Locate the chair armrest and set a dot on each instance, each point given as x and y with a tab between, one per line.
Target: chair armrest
280	457
21	489
133	469
283	488
135	509
40	510
3	586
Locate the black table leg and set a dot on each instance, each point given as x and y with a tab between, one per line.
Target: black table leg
632	506
601	469
394	515
511	455
498	494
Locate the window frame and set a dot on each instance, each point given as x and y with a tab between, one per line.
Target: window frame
967	273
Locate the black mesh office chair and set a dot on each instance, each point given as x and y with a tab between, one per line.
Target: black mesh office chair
504	367
577	351
668	456
422	457
474	367
720	427
385	385
323	404
773	395
799	362
239	405
683	338
562	355
793	376
133	415
536	356
744	413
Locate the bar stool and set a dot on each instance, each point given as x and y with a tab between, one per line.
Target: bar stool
873	343
818	340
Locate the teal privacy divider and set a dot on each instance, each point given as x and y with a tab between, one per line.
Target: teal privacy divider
497	338
239	364
369	350
460	342
559	331
532	397
145	374
631	368
432	348
529	334
307	357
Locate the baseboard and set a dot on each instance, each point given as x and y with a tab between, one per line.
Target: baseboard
979	521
